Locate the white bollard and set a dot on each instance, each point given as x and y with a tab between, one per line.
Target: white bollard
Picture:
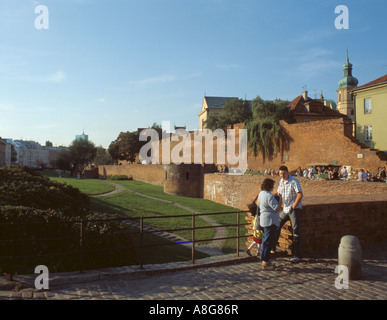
350	256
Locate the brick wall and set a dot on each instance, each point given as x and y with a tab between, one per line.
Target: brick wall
331	209
323	225
320	141
153	174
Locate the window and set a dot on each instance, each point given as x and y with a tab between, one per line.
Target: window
367	133
367	105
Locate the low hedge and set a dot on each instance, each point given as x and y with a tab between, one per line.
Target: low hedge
23	186
119	177
30	235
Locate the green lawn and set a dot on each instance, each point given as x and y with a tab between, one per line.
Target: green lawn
198	204
88	186
129	204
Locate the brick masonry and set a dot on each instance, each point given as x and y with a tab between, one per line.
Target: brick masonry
153	174
320	141
331	209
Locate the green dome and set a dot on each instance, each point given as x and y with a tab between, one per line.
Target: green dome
333	103
348	81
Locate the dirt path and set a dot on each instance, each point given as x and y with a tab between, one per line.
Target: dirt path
211	247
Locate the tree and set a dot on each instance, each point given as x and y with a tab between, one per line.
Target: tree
264	131
49	143
78	155
234	111
126	146
82	152
102	157
63	161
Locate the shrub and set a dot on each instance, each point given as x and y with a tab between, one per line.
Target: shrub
23	186
43	232
119	177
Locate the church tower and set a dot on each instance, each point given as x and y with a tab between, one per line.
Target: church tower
345	102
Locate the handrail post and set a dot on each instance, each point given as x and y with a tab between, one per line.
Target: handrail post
81	235
238	233
141	240
193	238
12	271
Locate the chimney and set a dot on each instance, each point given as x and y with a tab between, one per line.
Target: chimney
305	95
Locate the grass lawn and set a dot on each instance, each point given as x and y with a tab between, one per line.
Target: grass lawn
198	204
88	186
129	204
132	205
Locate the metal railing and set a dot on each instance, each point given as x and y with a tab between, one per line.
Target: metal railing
143	229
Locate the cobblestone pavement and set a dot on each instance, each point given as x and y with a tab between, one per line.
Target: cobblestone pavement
230	278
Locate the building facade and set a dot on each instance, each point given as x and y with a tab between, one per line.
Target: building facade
28	153
211	105
345	102
370	102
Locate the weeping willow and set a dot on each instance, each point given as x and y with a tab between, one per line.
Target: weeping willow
264	136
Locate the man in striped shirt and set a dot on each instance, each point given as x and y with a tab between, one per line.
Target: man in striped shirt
290	190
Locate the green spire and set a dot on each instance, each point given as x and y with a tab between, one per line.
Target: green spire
348	81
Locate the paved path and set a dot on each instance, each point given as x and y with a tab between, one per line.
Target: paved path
231	278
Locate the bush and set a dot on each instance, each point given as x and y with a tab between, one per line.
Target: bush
42	232
23	186
119	177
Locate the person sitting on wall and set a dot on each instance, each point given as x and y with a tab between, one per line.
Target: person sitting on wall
365	176
344	173
335	175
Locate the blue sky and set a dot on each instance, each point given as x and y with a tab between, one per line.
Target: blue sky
110	66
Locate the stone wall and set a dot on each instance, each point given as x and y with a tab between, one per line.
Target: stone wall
153	174
331	209
320	141
323	225
238	190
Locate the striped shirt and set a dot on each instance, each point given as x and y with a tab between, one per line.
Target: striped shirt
288	189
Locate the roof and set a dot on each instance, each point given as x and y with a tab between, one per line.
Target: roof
301	106
220	102
217	102
381	80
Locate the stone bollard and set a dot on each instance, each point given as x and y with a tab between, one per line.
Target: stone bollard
350	256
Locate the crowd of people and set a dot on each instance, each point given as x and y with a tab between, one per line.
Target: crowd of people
337	173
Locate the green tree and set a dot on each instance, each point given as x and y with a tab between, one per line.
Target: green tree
103	157
63	161
234	111
126	146
264	132
78	155
82	152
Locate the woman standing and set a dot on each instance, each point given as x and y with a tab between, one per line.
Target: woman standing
269	220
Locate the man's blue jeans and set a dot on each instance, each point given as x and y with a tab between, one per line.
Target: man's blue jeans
295	219
268	238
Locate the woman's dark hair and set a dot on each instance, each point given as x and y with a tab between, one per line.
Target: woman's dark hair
267	184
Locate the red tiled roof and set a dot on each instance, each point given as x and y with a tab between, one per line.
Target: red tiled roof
380	80
316	107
